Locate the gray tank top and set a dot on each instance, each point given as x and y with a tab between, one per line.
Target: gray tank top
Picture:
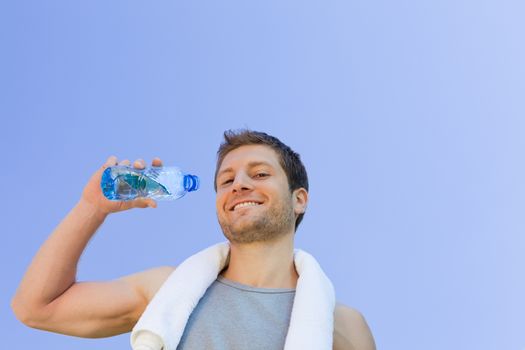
233	316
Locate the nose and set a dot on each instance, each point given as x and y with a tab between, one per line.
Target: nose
241	183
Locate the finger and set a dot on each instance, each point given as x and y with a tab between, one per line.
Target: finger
150	203
125	205
156	162
147	202
140	203
111	161
124	162
139	163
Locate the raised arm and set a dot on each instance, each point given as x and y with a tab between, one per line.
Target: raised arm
50	298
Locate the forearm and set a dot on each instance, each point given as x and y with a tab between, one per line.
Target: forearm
53	269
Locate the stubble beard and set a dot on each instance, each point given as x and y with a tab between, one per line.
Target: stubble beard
272	224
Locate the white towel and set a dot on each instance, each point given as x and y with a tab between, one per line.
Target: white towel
162	324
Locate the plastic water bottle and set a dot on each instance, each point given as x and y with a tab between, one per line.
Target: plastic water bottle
125	183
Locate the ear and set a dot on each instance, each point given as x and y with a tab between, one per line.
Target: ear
300	200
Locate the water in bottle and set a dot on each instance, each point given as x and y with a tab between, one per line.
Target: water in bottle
125	183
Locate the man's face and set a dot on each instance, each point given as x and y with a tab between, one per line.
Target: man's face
253	202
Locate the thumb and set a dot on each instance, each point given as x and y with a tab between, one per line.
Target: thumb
144	203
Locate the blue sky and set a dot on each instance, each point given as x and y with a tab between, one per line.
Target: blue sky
408	115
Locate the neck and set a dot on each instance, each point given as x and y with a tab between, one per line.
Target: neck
263	264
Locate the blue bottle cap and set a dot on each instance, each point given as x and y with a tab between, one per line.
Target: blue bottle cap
191	183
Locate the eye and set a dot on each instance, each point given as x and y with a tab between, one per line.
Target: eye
261	175
227	181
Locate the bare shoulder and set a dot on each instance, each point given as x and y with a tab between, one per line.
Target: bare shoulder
148	282
351	332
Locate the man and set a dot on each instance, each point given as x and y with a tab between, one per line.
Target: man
261	198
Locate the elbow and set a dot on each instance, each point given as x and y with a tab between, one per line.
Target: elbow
25	314
20	313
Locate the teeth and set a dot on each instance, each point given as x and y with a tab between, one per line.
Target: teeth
245	204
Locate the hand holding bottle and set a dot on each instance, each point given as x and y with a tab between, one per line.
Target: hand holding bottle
93	193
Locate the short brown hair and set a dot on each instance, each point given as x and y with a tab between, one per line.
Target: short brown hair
290	161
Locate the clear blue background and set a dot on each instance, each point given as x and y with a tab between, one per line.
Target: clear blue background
409	116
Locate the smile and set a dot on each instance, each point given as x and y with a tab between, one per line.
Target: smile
246	204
